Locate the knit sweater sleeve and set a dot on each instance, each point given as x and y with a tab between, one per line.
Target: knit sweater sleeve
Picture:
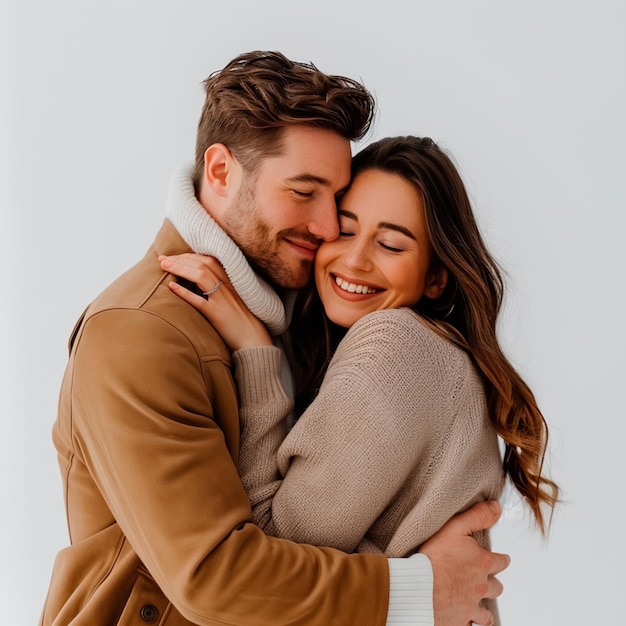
354	447
263	409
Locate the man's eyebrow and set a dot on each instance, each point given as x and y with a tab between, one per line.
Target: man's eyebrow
387	225
309	178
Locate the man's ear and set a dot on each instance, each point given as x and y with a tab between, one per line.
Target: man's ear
436	281
219	166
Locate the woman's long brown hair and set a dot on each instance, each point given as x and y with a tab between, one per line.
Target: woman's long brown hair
465	313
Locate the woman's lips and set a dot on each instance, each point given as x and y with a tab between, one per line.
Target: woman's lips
352	287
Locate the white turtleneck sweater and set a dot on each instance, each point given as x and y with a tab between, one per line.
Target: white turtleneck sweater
410	579
205	236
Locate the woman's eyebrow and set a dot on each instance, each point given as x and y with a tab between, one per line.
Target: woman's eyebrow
398	228
386	225
348	214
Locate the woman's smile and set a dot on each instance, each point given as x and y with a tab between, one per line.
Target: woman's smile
356	287
381	258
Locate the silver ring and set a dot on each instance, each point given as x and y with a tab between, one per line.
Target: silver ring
213	289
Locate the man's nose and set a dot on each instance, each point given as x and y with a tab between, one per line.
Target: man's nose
324	224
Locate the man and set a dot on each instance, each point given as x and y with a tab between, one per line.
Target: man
148	432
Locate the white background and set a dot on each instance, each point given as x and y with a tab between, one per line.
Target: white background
99	103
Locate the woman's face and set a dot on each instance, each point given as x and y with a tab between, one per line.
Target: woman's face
381	259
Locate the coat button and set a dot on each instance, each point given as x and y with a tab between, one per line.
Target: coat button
148	613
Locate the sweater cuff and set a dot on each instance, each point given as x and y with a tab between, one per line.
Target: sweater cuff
410	592
257	374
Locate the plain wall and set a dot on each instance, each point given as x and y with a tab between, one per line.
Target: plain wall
99	104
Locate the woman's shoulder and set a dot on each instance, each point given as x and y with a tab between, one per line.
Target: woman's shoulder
396	352
397	325
400	336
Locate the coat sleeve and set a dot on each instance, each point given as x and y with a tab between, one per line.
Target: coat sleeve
352	450
146	422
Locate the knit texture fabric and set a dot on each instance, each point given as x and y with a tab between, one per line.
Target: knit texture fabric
410	579
397	441
410	592
204	236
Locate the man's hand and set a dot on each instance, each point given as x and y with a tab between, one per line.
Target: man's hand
464	573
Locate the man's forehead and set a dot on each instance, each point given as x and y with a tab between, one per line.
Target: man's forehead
313	155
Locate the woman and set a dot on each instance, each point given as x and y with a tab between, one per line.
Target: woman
403	385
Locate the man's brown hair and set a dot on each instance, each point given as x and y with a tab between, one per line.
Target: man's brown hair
250	102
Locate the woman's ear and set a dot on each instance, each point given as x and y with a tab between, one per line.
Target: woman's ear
219	164
436	281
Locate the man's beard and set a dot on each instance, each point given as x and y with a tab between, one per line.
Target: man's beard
254	238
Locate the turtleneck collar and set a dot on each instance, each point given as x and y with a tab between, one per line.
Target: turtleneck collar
204	236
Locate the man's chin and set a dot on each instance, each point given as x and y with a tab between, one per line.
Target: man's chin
289	277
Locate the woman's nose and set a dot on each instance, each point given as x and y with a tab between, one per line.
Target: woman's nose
358	256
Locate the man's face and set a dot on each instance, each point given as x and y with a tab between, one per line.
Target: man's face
279	220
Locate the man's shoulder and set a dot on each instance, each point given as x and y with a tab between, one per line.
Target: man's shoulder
136	286
141	297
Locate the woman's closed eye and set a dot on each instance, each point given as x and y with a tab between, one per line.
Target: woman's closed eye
390	248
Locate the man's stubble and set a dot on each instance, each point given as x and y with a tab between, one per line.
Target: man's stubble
266	251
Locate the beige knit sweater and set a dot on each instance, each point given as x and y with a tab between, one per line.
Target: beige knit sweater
396	442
